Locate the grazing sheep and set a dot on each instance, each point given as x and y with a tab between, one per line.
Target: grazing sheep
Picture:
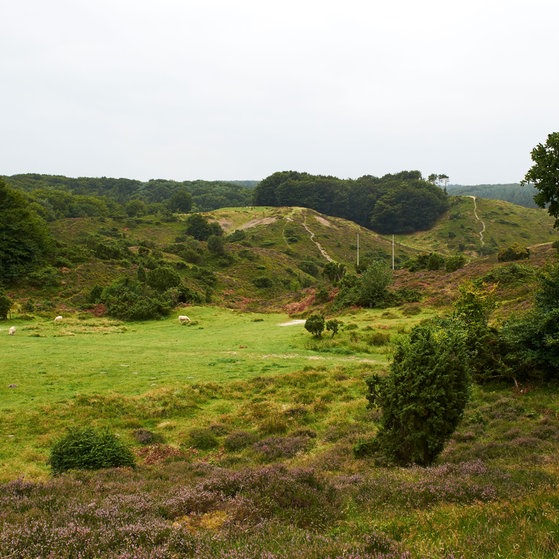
183	319
12	330
58	319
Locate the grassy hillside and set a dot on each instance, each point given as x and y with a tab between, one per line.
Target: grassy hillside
273	256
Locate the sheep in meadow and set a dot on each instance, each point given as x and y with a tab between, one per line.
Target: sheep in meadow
58	319
12	330
183	319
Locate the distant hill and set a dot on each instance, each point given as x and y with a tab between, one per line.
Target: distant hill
514	192
271	256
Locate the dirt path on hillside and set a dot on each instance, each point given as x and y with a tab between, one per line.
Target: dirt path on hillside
317	244
482	242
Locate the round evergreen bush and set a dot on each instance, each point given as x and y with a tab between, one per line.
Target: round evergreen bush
89	449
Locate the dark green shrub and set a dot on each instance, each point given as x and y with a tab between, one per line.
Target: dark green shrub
262	282
514	252
455	262
163	278
200	228
532	340
44	277
309	267
424	397
202	439
237	236
321	296
88	449
333	325
315	324
216	244
128	299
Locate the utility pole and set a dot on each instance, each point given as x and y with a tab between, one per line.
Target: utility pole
393	252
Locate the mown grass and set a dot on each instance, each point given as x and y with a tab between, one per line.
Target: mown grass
249	455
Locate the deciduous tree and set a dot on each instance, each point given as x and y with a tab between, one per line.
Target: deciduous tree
544	175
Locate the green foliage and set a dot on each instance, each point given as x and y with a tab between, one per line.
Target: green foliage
216	245
424	397
403	202
544	175
180	201
508	275
46	276
25	240
373	284
5	305
88	449
162	278
334	271
200	228
315	324
435	261
202	438
485	345
128	299
408	207
309	267
135	208
262	282
515	252
533	339
370	289
333	325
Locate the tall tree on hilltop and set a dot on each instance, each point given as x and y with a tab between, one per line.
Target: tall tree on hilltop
544	175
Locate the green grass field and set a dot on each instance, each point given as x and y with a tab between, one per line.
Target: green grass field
50	370
255	424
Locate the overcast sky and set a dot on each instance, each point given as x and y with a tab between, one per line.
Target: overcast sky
239	89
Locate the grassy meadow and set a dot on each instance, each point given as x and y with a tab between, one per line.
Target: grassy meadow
243	431
243	425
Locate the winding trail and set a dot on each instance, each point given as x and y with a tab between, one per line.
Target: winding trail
482	242
318	245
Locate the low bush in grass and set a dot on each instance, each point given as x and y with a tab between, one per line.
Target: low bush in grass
89	449
202	439
239	440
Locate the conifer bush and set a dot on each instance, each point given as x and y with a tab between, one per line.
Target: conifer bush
424	397
89	449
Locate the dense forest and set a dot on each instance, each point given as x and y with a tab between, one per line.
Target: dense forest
62	196
514	192
400	203
395	203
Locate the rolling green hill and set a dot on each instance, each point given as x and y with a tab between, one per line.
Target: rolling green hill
271	256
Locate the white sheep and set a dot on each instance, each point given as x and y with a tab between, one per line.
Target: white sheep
58	318
12	330
183	319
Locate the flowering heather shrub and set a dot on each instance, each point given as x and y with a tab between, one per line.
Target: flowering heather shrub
450	483
294	495
157	453
274	448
